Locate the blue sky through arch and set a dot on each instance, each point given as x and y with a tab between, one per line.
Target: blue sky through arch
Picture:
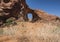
30	16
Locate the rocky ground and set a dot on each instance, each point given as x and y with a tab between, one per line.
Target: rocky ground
40	31
45	29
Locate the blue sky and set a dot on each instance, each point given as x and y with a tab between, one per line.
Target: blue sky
49	6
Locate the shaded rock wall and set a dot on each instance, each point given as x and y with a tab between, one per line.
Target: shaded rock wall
19	8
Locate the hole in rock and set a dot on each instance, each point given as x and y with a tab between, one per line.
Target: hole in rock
30	16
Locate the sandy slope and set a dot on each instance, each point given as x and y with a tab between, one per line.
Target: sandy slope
31	32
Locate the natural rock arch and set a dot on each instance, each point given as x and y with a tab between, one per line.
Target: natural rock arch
26	9
18	9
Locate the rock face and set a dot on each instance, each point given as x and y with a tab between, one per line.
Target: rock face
9	8
42	28
45	16
18	9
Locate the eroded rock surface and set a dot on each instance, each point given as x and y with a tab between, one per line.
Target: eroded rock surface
42	28
18	9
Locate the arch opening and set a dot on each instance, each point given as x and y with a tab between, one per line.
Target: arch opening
30	16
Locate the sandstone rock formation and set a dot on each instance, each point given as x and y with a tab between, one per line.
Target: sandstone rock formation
9	8
45	16
42	28
18	9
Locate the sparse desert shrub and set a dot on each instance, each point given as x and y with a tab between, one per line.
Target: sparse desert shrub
10	21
